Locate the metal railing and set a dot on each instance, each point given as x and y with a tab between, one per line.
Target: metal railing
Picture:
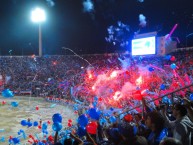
160	97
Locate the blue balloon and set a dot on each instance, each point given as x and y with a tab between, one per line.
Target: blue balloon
162	87
7	93
23	132
45	131
82	120
111	91
102	121
151	69
14	104
15	140
94	113
94	104
173	66
96	98
40	143
163	134
106	114
168	57
137	88
165	99
112	119
81	131
44	126
111	108
121	116
169	101
24	122
75	107
57	126
135	129
29	124
35	123
57	118
191	97
2	139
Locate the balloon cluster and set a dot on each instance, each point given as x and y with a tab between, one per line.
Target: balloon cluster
14	140
171	58
22	132
36	140
118	34
7	93
82	121
57	122
32	138
44	128
69	122
28	123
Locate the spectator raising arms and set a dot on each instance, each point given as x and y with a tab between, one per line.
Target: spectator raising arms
182	127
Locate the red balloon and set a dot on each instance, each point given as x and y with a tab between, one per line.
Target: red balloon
128	117
127	72
100	99
137	95
30	136
50	138
39	127
69	120
3	102
69	124
92	127
44	141
48	122
173	58
37	108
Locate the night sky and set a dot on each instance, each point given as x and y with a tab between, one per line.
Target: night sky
68	25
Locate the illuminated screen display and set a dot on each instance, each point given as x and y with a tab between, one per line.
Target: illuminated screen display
144	46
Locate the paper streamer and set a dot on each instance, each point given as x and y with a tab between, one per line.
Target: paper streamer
172	31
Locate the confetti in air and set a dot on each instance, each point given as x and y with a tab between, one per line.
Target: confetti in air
140	1
50	3
142	20
88	6
118	35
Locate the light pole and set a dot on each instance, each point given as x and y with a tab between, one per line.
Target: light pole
38	16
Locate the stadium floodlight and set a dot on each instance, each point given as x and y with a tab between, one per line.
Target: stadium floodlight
38	15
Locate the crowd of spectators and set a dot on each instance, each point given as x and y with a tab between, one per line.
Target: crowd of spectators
164	124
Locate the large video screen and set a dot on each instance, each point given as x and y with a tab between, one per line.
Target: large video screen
144	46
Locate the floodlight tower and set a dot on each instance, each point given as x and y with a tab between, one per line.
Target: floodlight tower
38	16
